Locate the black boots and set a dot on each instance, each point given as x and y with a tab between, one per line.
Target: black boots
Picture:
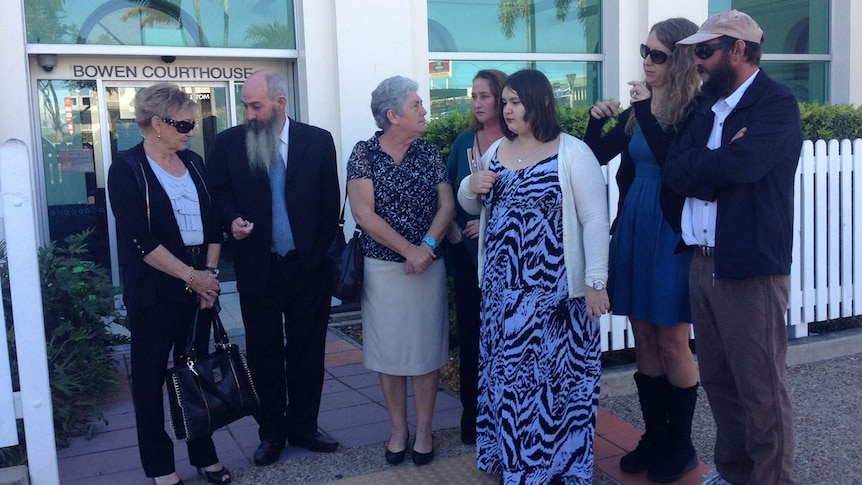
665	449
651	393
679	456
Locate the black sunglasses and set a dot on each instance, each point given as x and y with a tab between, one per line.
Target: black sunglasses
705	51
657	56
181	126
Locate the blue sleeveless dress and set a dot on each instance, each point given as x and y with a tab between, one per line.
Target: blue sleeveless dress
539	366
646	280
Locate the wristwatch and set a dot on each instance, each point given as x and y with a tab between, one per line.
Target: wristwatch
212	270
597	285
430	241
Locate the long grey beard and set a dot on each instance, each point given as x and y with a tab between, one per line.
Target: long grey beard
262	142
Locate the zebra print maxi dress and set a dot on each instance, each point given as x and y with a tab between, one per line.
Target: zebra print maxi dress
539	365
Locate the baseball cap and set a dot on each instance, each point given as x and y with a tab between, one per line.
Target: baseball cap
733	23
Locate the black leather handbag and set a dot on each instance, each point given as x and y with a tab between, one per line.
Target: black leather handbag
210	392
346	264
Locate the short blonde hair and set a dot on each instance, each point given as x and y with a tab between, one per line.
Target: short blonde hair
163	100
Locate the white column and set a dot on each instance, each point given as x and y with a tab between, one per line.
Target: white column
846	52
376	39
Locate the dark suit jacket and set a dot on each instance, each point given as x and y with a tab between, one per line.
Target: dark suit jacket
139	233
752	178
313	198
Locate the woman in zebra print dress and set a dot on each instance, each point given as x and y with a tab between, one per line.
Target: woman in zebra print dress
543	253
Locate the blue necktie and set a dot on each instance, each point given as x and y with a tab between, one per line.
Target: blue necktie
282	237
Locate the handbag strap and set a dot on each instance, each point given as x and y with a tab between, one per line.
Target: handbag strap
219	333
357	230
221	340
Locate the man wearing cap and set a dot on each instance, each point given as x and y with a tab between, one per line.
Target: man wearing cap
736	164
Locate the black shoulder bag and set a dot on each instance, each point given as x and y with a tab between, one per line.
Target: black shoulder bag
210	392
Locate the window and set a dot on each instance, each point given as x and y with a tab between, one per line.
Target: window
796	48
180	23
560	38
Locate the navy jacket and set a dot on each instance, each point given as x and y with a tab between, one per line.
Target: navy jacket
752	179
312	194
129	179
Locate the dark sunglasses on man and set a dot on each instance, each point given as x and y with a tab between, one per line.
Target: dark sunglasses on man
657	56
705	51
181	126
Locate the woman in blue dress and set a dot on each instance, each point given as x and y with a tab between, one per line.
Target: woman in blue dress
543	249
648	278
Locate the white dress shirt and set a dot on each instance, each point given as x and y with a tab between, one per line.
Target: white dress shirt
698	216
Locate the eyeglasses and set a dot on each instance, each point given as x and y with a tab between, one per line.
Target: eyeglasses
181	126
657	56
705	51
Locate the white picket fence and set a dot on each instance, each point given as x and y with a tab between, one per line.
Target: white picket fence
826	275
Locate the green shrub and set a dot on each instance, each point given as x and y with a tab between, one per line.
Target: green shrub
827	122
830	122
443	131
78	305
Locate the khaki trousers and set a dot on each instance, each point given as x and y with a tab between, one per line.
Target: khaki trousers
741	339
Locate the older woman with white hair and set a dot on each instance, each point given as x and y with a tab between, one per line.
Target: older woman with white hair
400	196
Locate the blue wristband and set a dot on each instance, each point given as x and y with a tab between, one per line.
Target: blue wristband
430	241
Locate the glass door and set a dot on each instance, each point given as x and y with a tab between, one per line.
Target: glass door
72	163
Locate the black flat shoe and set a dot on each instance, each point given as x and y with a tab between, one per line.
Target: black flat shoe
396	457
267	453
420	459
216	477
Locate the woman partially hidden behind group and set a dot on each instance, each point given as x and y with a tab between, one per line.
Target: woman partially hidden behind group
486	127
168	237
648	281
401	198
543	250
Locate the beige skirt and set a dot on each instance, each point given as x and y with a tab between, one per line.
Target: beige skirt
405	318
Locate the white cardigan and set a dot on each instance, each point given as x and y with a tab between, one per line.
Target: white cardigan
586	229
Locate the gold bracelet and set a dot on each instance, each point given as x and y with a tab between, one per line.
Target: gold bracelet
191	278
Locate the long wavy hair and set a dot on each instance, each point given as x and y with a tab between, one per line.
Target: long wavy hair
683	79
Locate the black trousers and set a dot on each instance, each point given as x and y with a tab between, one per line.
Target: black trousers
154	332
285	329
468	298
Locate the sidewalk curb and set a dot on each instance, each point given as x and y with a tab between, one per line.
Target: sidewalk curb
618	381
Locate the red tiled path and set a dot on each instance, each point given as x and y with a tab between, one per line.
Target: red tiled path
614	437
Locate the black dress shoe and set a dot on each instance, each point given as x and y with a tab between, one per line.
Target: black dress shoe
420	459
318	442
396	457
267	453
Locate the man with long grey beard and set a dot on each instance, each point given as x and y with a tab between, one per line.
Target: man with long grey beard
274	181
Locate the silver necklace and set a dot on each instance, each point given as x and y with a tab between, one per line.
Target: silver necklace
522	157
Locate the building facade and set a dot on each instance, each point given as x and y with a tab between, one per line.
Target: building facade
92	56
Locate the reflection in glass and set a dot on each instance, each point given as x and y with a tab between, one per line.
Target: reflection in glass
575	83
72	163
522	26
182	23
807	80
798	27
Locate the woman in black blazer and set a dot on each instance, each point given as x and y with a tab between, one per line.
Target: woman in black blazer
169	243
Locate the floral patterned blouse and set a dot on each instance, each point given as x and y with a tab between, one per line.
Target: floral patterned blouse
405	194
